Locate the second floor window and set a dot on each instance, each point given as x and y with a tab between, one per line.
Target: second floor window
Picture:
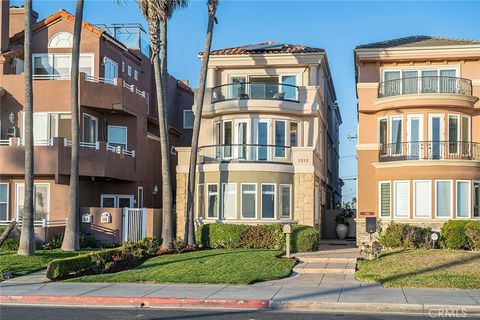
111	70
117	136
57	66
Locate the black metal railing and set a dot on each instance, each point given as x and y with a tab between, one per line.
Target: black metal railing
255	90
244	153
430	150
425	84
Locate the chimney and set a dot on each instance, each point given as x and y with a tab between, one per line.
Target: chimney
4	25
17	22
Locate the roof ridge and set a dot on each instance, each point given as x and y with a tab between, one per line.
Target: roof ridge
415	41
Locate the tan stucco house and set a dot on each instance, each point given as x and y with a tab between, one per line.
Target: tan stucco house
269	138
419	131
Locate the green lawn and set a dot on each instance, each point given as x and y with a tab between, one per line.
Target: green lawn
235	266
423	268
21	265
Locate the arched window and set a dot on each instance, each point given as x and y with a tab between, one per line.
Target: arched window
61	40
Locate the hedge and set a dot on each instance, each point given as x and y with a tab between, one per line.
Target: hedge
62	268
216	236
472	230
454	236
402	235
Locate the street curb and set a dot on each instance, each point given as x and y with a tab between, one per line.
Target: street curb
374	307
152	302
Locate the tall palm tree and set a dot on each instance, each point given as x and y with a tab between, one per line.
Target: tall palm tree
27	237
157	13
189	238
71	239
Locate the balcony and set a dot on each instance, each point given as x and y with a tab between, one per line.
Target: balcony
52	157
255	91
425	85
430	150
245	153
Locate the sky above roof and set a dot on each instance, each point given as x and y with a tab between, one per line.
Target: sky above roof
336	26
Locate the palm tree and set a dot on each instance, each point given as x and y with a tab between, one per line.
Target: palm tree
157	13
189	225
27	237
71	239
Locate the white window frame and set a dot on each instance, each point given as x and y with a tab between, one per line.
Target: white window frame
56	35
129	70
223	217
230	81
469	202
390	132
236	138
135	74
395	214
197	207
232	128
274	201
411	116
140	202
280	79
116	199
17	185
284	137
184	124
442	131
289	186
452	203
83	125
117	126
123	66
473	205
269	137
241	201
217	217
92	56
429	198
380	199
8	199
105	60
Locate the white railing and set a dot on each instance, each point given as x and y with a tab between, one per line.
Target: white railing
39	142
82	144
140	93
5	142
51	77
39	223
109	81
120	150
130	87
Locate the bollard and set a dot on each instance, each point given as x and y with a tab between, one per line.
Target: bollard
287	229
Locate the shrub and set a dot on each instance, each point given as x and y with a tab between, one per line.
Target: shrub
453	235
218	236
87	240
11	244
305	238
392	237
472	230
54	243
263	237
61	268
401	235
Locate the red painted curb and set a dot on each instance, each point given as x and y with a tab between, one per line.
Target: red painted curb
137	302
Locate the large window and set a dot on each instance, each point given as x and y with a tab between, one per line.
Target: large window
3	201
90	128
188	118
57	66
41	201
116	201
110	71
227	139
458	134
415	135
402	199
415	81
268	201
48	125
280	135
443	198
285	201
249	200
476	199
117	136
289	92
61	40
385	199
294	134
396	135
200	201
229	200
463	199
212	200
383	135
422	199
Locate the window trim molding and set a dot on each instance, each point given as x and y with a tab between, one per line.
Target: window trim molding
285	122
7	202
380	199
473	204
451	199
217	217
415	199
62	47
223	201
117	126
395	215
274	201
290	198
116	196
197	197
17	184
469	202
241	201
83	125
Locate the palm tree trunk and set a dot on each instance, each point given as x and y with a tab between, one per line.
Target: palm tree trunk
27	237
160	81
71	239
189	219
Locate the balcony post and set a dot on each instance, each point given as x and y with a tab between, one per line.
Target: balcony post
313	75
211	78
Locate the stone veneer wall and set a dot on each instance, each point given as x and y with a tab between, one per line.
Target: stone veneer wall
363	236
304	190
181	203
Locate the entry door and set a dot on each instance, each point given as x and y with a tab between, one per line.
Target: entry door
415	136
263	138
436	134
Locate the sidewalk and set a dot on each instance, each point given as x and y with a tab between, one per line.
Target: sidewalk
346	296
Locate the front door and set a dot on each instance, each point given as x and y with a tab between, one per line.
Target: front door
436	136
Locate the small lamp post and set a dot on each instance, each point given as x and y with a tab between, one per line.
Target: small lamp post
434	237
287	229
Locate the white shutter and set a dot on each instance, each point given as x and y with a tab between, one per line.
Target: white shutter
423	199
402	199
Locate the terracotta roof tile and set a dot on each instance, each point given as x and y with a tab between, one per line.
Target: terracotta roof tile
269	47
419	41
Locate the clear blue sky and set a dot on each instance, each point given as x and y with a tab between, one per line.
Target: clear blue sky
337	26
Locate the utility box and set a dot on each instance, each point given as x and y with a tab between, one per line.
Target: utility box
87	218
371	225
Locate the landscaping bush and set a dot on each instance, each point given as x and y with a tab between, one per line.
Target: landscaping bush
472	230
87	240
305	238
11	244
109	260
453	235
229	236
392	237
54	243
401	235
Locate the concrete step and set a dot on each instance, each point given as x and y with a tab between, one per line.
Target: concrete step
330	268
320	259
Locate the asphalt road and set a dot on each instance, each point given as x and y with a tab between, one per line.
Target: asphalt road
76	313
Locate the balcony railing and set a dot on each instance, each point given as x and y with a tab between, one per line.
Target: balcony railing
255	90
244	153
430	150
426	84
